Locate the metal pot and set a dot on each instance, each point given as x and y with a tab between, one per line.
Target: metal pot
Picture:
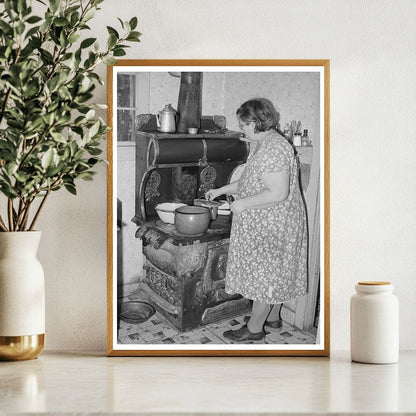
192	220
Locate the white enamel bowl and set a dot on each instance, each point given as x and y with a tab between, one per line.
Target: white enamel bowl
166	211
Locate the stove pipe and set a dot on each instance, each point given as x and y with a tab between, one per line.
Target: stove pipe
190	101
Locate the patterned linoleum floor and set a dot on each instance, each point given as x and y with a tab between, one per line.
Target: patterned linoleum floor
157	330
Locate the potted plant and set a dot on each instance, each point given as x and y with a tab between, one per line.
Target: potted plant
50	136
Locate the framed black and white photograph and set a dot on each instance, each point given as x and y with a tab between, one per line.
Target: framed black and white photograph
218	207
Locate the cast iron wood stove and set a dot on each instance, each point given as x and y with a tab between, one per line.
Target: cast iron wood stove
184	276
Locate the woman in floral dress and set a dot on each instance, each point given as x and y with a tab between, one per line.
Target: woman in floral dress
267	259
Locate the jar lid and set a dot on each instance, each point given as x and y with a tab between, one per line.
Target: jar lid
370	287
374	283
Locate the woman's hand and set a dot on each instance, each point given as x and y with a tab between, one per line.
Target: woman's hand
238	206
229	189
213	193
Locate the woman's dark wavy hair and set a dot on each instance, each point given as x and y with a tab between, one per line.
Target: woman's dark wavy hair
262	112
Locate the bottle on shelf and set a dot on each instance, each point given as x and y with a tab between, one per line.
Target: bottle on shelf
305	138
286	132
297	141
297	136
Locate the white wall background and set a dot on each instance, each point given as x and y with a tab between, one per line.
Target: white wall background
371	45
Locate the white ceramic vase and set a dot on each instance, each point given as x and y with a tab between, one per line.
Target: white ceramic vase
22	296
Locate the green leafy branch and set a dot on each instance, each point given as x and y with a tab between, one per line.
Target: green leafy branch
50	134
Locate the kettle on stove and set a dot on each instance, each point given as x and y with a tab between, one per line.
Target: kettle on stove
166	120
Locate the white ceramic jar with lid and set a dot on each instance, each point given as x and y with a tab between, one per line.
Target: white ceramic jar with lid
374	323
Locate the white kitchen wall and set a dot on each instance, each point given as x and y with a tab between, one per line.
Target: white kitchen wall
373	146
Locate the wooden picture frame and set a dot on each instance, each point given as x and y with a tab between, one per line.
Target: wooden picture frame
136	91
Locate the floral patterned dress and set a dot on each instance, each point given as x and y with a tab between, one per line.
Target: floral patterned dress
267	259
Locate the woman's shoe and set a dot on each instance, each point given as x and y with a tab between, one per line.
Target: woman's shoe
269	324
243	334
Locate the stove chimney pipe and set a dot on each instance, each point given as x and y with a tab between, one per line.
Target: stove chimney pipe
190	101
